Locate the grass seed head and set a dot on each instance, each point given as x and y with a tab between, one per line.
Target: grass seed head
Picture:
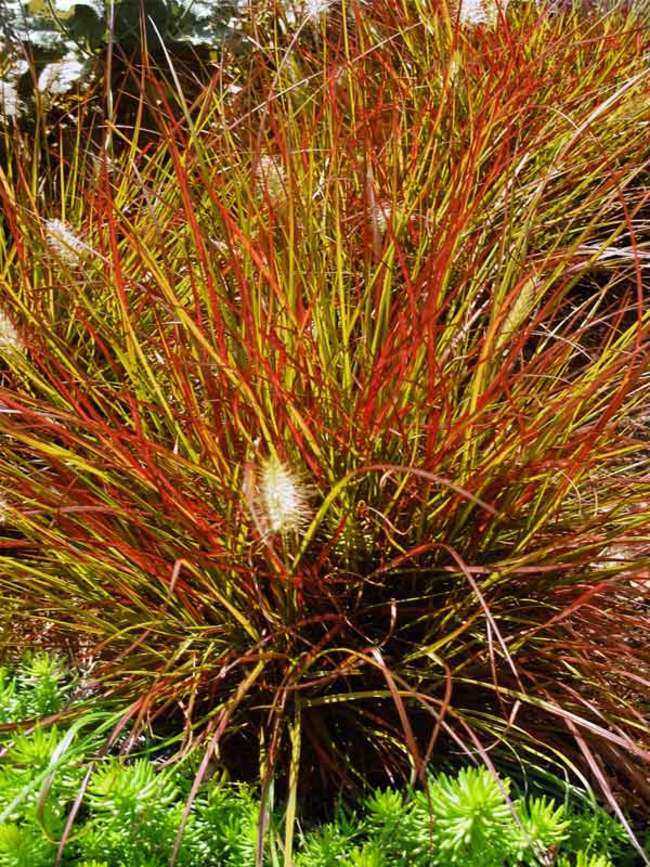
313	9
63	242
479	11
284	498
270	178
10	342
381	213
518	313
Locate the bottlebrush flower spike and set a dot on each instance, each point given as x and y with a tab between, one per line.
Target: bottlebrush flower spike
519	312
313	9
381	214
283	498
270	178
481	11
64	243
9	340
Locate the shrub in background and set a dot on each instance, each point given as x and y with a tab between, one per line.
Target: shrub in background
324	413
49	49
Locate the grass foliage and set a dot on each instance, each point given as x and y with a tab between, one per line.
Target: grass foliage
326	425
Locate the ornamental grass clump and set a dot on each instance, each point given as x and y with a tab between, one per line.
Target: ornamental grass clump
335	500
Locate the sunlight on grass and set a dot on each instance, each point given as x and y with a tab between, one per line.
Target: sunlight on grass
333	393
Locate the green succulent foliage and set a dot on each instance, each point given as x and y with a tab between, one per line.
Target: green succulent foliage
329	845
116	788
395	825
25	770
22	847
593	831
37	687
471	819
229	818
130	819
457	820
544	824
30	820
369	855
135	811
466	819
584	860
132	809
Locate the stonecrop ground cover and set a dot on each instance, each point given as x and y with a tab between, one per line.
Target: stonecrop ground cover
324	399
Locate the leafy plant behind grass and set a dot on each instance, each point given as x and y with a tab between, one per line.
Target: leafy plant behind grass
48	50
329	428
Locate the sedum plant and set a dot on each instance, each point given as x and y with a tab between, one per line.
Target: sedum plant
131	809
325	418
465	819
40	685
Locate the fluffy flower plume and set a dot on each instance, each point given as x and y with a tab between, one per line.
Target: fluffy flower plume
9	340
64	243
313	9
284	500
481	11
270	178
381	214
